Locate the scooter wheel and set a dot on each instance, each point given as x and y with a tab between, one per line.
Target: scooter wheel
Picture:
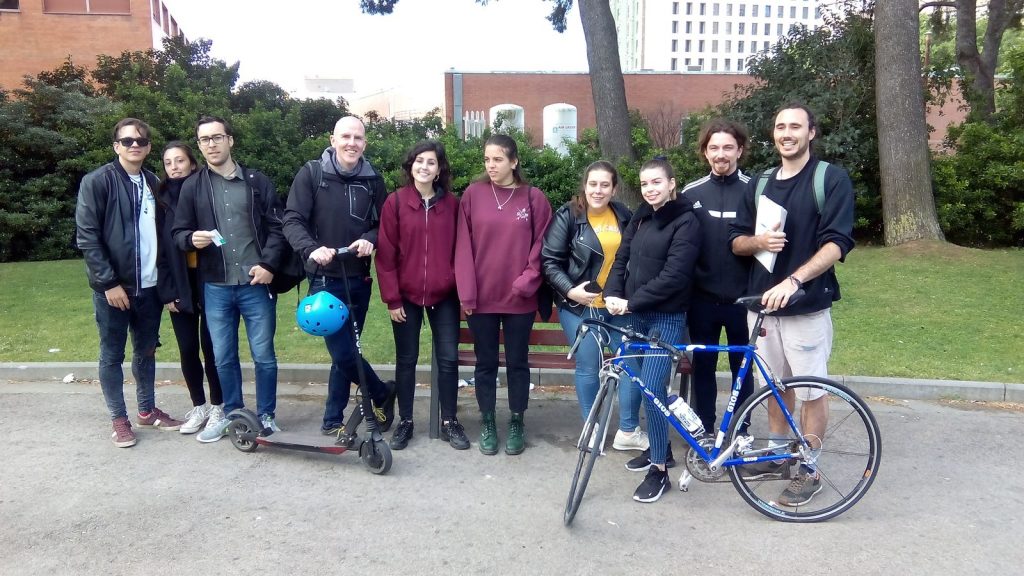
376	455
242	434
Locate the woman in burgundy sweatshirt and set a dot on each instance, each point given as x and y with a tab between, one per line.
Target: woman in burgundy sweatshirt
415	248
502	220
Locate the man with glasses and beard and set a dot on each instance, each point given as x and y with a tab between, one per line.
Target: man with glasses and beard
231	216
116	221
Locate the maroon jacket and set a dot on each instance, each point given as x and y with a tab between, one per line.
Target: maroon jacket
415	247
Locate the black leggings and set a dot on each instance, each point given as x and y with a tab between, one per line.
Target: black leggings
517	328
444	329
192	334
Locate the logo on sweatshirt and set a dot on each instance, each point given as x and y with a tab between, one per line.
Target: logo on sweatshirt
522	214
696	205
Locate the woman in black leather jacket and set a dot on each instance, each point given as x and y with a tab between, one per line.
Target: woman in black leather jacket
579	248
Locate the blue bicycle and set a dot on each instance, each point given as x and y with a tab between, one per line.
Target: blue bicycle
842	459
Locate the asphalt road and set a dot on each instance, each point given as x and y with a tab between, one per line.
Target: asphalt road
949	499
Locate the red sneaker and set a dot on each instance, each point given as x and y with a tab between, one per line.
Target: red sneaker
157	418
123	436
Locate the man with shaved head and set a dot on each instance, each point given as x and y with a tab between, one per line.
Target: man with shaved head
335	202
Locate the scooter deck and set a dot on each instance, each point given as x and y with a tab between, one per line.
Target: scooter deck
305	441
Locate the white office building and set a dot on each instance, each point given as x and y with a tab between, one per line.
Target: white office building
705	36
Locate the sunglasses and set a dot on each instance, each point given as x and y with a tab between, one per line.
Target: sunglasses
127	142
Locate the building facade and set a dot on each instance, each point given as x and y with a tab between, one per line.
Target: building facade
38	35
705	36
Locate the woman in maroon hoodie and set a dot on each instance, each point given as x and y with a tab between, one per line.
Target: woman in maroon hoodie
415	247
502	221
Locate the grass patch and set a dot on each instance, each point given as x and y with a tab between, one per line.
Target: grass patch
925	310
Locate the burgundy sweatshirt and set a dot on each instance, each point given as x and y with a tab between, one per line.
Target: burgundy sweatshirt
415	247
497	252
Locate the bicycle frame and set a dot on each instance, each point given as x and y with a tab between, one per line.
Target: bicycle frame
718	456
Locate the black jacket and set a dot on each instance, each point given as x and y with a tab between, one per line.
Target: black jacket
195	211
721	276
107	227
572	253
343	209
172	267
655	263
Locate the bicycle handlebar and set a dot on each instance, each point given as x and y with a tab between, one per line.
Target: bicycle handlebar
628	333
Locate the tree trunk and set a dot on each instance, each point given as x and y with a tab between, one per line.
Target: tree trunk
607	85
908	205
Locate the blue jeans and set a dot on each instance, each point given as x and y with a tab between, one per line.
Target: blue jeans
656	371
258	307
589	356
142	319
342	347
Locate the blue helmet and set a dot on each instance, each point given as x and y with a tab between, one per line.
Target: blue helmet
321	314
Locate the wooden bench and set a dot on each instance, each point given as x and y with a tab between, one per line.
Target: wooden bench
546	334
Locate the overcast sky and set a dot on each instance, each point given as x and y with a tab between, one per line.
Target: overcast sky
420	40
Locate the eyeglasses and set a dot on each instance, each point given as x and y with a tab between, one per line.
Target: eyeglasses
215	139
127	142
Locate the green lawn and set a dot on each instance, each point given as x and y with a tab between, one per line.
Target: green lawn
927	310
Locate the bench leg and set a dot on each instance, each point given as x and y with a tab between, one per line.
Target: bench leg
435	403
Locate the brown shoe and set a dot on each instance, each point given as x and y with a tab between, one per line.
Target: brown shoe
157	418
123	436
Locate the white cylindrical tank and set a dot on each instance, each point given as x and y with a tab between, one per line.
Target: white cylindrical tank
559	126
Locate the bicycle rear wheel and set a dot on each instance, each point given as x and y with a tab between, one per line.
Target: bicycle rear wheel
851	451
596	426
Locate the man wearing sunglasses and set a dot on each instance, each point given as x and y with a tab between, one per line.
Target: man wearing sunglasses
116	220
231	216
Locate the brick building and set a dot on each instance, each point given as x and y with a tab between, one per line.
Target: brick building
37	35
662	98
669	96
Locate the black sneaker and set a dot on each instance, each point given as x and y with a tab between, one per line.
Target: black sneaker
402	435
642	462
652	487
453	433
332	429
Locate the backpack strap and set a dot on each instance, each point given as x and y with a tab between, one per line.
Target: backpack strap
316	172
762	182
819	184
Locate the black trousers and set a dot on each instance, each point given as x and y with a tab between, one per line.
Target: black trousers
193	336
706	321
517	328
444	331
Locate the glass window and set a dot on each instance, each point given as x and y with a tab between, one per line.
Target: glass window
739	47
728	9
805	12
714	9
689	27
778	29
766	46
727	64
689	46
700	46
675	7
674	65
675	27
689	8
703	8
156	11
728	27
714	27
753	28
686	62
675	45
739	64
701	27
792	11
87	6
714	64
9	4
743	9
767	11
753	10
740	28
728	46
714	45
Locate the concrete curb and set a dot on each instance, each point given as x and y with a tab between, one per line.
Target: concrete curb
310	379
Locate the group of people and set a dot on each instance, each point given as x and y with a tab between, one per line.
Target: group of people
209	243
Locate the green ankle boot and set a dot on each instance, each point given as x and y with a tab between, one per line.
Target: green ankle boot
516	442
488	434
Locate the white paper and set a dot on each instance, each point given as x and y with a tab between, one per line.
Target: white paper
768	214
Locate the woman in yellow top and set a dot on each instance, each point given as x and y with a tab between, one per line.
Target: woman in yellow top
579	249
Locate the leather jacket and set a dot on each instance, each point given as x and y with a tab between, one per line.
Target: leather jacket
107	227
572	253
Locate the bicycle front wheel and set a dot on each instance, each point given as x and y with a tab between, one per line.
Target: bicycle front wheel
590	444
850	452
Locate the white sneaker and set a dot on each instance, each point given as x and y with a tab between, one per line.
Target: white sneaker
216	425
195	419
268	422
636	441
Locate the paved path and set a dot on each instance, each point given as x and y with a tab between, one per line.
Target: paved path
949	500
